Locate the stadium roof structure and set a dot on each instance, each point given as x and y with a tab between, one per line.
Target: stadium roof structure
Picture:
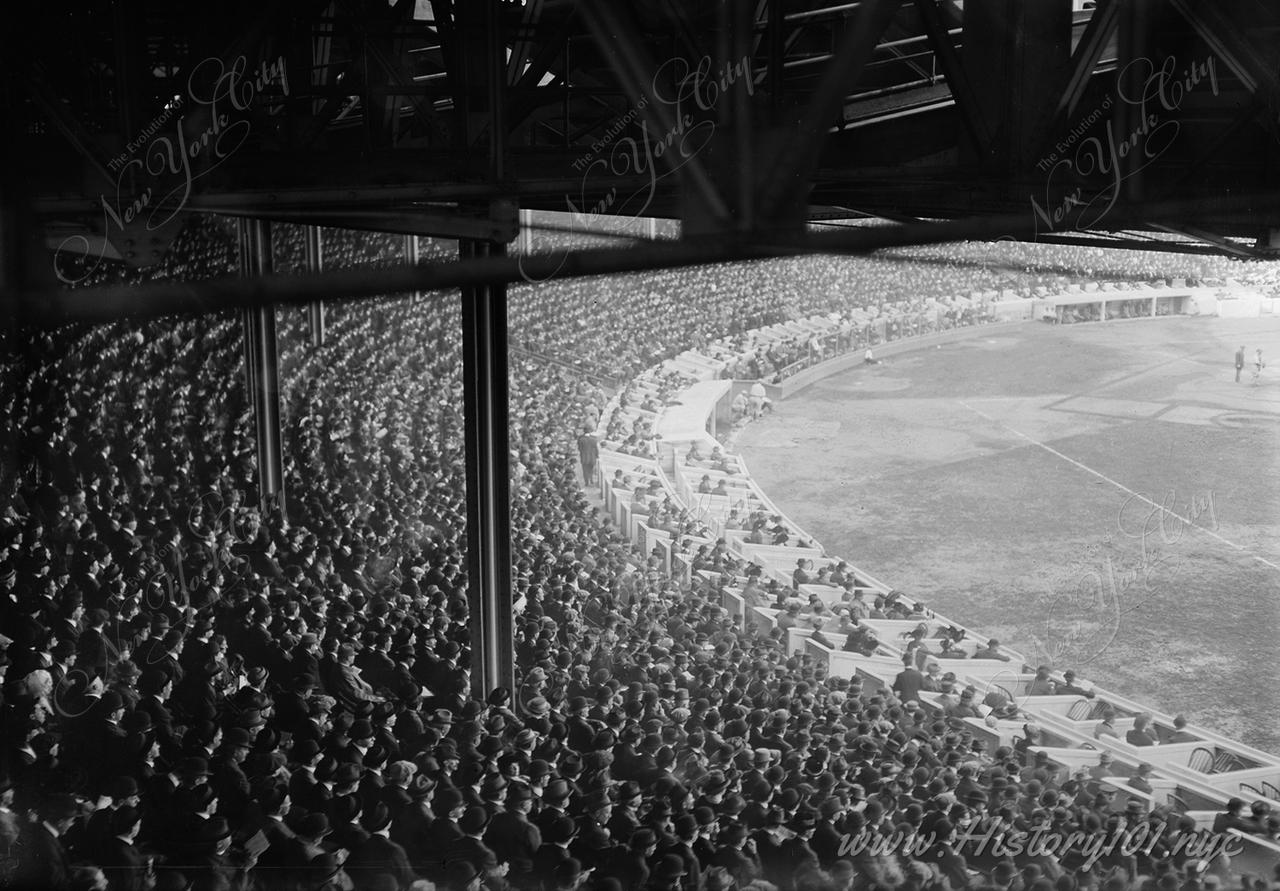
1048	120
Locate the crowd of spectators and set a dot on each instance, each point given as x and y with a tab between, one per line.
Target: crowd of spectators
664	312
202	694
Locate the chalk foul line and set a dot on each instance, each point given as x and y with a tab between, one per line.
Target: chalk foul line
1121	486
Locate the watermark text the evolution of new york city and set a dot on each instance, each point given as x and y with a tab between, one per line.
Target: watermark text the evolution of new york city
158	168
1117	156
682	94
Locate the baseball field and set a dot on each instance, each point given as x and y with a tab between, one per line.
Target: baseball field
1100	496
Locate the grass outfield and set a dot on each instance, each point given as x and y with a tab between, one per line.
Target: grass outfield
1100	496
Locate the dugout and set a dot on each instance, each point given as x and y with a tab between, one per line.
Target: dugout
1104	306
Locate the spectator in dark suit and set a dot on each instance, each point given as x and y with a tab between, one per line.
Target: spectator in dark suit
827	835
1141	733
556	838
1141	780
91	647
555	800
513	838
43	862
629	866
1068	686
797	853
737	854
667	875
1180	731
443	833
909	681
1233	818
126	867
398	778
119	792
349	686
990	651
229	780
471	847
379	856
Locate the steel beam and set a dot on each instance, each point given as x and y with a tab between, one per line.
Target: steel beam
60	114
527	89
398	81
55	307
1016	55
616	39
496	84
796	159
1101	29
975	127
522	46
486	399
1133	43
500	227
1229	44
776	54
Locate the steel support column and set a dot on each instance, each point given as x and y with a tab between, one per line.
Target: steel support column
262	371
945	55
411	257
1133	44
485	382
791	170
315	263
486	398
1016	57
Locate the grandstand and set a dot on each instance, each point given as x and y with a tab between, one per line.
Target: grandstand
377	436
375	513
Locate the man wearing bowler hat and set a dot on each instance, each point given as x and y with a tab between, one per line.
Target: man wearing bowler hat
43	861
555	802
668	874
378	856
557	836
625	818
629	866
513	838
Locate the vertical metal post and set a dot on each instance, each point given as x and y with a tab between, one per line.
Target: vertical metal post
411	256
526	231
485	382
262	367
496	79
250	265
486	398
315	263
